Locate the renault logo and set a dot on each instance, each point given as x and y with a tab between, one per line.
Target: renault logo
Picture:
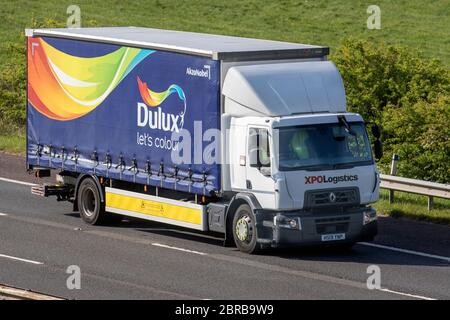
332	197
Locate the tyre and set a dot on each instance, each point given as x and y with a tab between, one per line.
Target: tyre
92	210
244	230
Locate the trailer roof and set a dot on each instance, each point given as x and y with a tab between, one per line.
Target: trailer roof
216	47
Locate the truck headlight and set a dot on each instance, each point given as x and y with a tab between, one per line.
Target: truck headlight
369	216
293	223
287	222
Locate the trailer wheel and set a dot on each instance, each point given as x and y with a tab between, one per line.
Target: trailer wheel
92	210
244	230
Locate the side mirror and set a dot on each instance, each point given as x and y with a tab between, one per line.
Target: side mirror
376	131
378	149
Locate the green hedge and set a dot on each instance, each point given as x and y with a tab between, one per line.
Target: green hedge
13	82
377	75
409	97
420	134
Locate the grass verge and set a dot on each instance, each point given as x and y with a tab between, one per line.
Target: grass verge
415	24
414	206
13	143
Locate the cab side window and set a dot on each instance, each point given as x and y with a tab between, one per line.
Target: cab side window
258	148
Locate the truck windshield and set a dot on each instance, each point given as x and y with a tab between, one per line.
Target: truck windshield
323	147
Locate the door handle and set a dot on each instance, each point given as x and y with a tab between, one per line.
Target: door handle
249	185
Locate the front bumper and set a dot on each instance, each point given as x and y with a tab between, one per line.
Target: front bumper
307	228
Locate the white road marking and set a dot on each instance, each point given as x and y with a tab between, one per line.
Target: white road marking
406	294
179	249
20	259
18	182
417	253
3	214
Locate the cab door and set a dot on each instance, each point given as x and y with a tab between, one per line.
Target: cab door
259	179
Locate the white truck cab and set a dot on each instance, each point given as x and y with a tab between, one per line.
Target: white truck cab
304	160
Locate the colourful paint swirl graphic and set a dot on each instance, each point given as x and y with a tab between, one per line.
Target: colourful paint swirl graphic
64	87
154	99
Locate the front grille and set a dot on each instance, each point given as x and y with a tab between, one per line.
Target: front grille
332	225
332	220
331	197
332	228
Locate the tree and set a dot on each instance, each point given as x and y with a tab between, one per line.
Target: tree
377	75
408	96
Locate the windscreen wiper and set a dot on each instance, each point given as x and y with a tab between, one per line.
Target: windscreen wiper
344	165
317	167
343	122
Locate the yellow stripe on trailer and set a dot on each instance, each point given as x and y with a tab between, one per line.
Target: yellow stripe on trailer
154	208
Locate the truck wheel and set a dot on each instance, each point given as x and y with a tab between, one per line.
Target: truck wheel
92	210
244	230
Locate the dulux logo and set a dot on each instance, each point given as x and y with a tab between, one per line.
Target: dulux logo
156	118
203	73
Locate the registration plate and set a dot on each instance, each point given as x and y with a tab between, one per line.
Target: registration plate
333	237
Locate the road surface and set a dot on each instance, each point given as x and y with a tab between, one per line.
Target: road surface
40	238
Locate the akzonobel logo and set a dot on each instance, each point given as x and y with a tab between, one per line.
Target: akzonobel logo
203	73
